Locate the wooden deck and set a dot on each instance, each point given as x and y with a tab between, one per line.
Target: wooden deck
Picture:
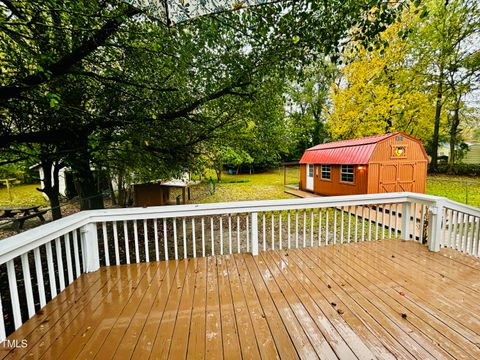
385	299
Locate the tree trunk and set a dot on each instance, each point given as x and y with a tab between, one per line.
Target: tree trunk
110	187
219	174
51	186
453	134
90	197
436	129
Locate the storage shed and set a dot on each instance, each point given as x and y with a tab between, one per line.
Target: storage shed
375	164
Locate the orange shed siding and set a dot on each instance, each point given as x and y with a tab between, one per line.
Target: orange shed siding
387	170
389	173
335	187
303	177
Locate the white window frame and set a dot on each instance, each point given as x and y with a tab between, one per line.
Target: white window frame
345	170
326	169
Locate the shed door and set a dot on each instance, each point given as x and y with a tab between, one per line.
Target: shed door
310	177
406	177
397	177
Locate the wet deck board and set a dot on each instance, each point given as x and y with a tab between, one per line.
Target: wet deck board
384	299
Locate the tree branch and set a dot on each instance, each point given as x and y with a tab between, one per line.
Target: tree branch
64	64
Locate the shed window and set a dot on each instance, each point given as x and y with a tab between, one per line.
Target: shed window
326	172
347	173
310	170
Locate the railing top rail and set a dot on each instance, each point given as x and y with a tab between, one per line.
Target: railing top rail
28	240
243	207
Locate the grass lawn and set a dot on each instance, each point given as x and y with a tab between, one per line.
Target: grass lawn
463	189
264	186
22	195
269	185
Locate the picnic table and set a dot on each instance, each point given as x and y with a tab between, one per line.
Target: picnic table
22	213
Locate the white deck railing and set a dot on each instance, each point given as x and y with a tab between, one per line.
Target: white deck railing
38	264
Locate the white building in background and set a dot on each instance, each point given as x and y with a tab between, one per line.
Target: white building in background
62	179
472	156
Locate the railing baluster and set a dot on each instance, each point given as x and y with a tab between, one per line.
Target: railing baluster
349	230
212	237
105	243
61	274
326	225
334	225
155	231
296	229
3	334
304	227
12	284
280	230
165	243
273	231
115	240
320	215
356	224
363	223
449	228
390	214
396	220
27	280
194	243
68	253
76	253
422	223
39	273
238	234
203	237
230	249
472	235
248	232
184	233
135	237
369	223
467	232
220	220
145	239
477	237
288	229
460	231
51	270
384	221
342	219
466	221
454	229
175	238
264	232
414	222
311	227
82	250
127	241
377	213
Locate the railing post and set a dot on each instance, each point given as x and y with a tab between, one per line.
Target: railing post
406	221
254	236
435	218
90	248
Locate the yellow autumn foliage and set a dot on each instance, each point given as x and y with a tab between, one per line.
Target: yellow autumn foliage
381	90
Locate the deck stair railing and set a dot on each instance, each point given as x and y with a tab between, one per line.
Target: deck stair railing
38	264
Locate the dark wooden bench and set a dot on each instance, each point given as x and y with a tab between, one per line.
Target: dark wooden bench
19	221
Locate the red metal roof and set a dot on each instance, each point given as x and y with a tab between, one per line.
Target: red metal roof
354	152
